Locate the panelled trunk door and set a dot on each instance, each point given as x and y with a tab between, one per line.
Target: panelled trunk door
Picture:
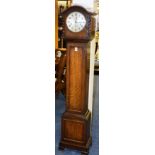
77	77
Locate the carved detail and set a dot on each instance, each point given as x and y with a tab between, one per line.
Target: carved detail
60	74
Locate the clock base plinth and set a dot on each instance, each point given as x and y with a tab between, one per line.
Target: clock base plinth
83	149
76	132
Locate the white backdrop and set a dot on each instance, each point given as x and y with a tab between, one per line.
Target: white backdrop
27	77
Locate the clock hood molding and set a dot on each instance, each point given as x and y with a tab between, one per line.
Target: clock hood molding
75	7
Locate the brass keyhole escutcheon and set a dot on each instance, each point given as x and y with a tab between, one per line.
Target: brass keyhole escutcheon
76	49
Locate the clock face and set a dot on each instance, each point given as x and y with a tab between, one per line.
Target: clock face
76	21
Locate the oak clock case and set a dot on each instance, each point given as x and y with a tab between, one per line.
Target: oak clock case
79	30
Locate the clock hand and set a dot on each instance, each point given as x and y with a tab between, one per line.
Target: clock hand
75	20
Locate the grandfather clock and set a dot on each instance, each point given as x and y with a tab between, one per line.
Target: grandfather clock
79	30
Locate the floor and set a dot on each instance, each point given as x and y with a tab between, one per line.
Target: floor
60	108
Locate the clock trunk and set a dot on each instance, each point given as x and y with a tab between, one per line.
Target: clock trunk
78	61
75	129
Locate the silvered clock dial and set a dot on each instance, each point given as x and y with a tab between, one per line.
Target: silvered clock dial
76	21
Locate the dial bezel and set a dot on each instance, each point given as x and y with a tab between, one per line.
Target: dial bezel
75	29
